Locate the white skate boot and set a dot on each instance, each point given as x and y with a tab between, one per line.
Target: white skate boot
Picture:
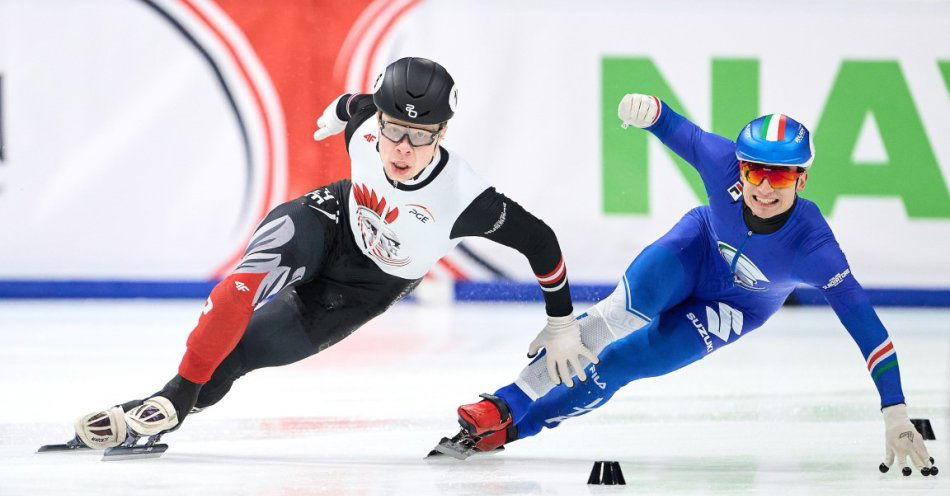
119	429
97	430
155	416
101	430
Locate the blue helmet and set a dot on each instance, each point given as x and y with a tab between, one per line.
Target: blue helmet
775	139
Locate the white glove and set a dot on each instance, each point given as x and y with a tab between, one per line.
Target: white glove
561	339
329	124
903	440
638	110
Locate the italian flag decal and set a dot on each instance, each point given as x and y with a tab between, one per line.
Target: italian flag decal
877	357
773	127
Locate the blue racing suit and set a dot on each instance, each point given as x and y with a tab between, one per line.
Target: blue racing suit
707	282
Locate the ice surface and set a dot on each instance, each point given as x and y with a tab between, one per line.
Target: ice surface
789	409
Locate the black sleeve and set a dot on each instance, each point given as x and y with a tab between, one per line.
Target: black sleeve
494	216
355	110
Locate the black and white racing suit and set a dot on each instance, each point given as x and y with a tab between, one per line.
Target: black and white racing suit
323	264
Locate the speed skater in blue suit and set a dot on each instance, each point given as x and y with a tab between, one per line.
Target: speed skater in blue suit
716	276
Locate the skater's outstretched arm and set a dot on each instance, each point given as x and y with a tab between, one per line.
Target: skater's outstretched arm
713	156
494	216
827	269
346	113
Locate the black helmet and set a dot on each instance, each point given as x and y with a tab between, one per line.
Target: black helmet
417	90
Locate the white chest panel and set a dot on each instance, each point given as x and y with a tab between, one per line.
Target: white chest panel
405	232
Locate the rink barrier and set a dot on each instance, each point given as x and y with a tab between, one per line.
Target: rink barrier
67	289
511	291
469	291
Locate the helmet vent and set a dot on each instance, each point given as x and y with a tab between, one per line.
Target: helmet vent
418	78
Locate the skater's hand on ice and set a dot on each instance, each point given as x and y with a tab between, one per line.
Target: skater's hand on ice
329	124
903	440
638	110
561	339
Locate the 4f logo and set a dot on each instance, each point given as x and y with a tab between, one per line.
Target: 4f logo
411	111
241	286
369	137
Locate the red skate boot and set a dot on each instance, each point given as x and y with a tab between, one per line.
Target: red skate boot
486	427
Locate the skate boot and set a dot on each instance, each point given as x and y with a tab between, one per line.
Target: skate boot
486	427
161	413
150	418
103	429
119	429
155	415
97	430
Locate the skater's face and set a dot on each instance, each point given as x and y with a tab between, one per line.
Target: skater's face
402	160
764	199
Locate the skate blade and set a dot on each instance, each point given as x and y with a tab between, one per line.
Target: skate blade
441	452
460	454
59	448
74	444
447	448
134	452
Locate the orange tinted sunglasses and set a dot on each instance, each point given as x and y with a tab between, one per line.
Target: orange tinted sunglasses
779	177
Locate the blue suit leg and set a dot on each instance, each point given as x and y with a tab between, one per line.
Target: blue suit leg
678	337
655	281
662	276
666	272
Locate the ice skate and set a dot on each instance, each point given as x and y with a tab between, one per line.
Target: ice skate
151	419
97	430
486	427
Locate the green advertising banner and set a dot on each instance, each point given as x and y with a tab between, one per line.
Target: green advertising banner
863	93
